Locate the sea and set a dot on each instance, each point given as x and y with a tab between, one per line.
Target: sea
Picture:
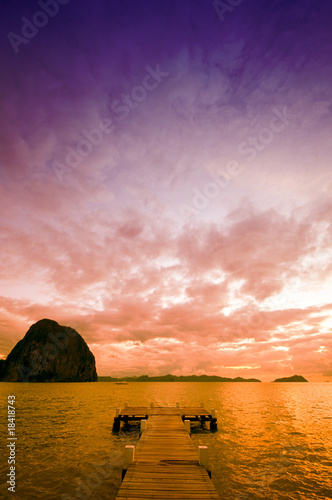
274	440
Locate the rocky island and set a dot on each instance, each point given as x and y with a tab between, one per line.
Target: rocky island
294	378
175	378
2	367
49	352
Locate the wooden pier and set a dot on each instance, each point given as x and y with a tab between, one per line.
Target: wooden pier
139	413
199	414
166	464
130	414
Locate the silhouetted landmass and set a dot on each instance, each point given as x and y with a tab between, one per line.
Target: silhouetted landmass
2	367
174	378
294	378
50	352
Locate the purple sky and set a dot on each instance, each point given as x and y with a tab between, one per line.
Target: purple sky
166	182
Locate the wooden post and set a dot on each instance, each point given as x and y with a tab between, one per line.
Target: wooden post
178	405
187	425
203	456
213	423
129	455
117	412
143	425
126	405
151	405
116	425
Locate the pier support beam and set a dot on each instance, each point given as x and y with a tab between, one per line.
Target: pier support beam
117	421
116	425
213	423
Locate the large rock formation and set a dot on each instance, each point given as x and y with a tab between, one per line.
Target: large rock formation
50	352
2	367
294	378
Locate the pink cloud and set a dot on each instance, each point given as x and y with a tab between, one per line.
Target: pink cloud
125	279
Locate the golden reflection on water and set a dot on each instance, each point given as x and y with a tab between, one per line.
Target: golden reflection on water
274	441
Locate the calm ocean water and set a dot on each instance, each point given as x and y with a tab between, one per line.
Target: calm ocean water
274	441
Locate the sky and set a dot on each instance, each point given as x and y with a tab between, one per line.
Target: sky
165	182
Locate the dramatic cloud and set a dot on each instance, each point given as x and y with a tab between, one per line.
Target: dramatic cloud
165	184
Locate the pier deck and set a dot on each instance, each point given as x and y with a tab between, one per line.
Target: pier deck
138	413
166	463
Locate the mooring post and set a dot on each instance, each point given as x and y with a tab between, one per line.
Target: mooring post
117	421
128	458
143	424
116	425
203	456
187	425
129	455
213	423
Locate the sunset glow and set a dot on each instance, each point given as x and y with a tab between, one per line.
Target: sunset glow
166	186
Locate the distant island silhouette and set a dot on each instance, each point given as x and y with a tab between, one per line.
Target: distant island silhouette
49	352
294	378
175	378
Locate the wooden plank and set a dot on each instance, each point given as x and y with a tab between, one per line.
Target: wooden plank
166	462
